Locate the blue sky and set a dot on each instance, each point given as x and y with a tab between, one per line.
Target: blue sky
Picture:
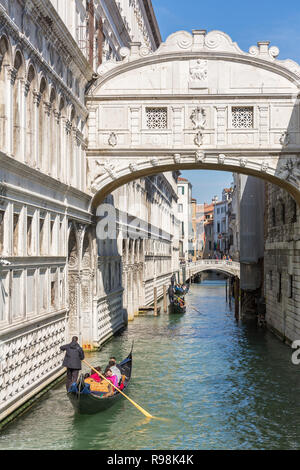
246	22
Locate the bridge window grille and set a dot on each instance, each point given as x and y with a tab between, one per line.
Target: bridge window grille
156	118
242	117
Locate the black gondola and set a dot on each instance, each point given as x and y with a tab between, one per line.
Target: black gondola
91	403
176	308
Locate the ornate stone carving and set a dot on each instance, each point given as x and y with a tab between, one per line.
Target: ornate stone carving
198	118
285	139
110	168
133	167
198	70
154	161
12	73
124	52
68	126
177	157
199	157
221	158
37	97
112	140
264	166
47	107
243	161
290	171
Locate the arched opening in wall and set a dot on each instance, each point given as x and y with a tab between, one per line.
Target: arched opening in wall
17	100
71	146
73	281
42	126
61	117
86	290
30	114
53	133
4	64
256	213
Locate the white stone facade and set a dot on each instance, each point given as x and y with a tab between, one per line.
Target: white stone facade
55	285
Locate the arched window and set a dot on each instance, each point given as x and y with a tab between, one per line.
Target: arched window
72	158
60	140
18	69
4	62
42	126
53	134
30	124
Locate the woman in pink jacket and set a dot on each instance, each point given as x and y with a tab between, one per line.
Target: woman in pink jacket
112	378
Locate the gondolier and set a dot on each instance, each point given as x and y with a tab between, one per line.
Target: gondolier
72	361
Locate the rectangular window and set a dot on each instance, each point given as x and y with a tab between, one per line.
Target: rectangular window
218	229
290	286
17	295
4	297
180	208
180	189
182	229
279	290
30	297
42	234
2	213
242	117
29	235
156	118
283	213
273	217
16	234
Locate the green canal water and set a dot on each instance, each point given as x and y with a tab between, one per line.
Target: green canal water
220	384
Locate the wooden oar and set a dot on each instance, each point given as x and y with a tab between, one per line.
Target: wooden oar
148	415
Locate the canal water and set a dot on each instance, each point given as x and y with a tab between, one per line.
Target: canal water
219	384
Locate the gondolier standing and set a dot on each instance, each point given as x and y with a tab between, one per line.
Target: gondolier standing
72	361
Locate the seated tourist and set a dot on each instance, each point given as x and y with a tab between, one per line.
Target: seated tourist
109	376
114	368
96	376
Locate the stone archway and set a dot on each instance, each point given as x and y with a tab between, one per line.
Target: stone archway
197	102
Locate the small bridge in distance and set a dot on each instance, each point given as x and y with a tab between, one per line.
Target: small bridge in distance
231	268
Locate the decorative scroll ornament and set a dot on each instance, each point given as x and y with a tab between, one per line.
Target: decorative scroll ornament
198	118
200	157
290	171
285	139
177	157
112	140
221	158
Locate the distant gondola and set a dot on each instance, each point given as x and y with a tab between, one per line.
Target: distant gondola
91	403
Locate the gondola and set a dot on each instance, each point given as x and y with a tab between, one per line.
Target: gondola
176	308
91	403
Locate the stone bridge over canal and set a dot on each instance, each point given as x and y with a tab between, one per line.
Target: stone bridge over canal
231	268
197	102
